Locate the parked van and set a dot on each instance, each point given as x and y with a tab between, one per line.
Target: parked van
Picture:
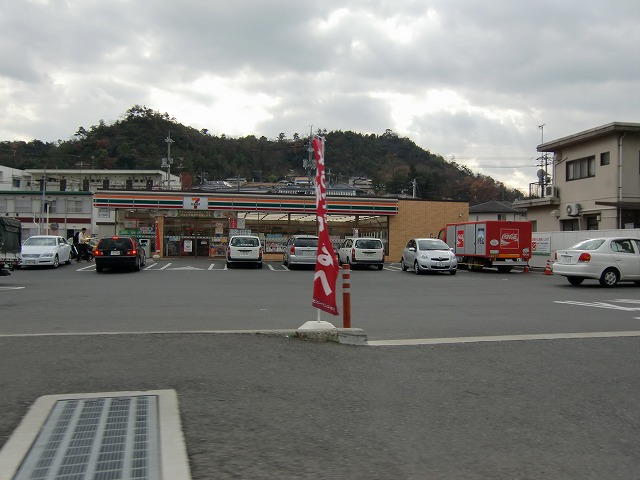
363	251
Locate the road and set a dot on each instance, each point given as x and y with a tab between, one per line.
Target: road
260	407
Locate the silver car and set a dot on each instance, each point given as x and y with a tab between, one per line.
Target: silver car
300	250
428	255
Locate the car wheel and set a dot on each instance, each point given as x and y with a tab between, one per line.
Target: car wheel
136	266
609	278
575	280
452	272
403	266
379	267
259	265
56	262
416	268
229	265
68	260
99	268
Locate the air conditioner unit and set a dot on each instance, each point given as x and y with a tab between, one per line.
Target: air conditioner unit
551	191
573	209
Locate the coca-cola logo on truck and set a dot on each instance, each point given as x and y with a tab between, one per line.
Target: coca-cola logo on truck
509	238
460	239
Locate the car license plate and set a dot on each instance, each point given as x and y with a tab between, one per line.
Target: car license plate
114	252
29	262
308	253
368	254
439	264
566	259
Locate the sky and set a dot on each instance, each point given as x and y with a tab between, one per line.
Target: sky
471	81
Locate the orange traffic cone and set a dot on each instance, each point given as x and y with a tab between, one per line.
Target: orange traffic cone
547	270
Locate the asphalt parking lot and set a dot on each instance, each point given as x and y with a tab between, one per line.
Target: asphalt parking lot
266	407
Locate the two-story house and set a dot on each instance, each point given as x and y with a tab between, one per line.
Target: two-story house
595	181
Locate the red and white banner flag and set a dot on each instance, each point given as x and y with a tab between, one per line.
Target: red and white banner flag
324	280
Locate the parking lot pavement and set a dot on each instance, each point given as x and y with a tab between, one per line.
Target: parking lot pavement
264	407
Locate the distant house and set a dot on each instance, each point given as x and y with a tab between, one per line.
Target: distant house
496	210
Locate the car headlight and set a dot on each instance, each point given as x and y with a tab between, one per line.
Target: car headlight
424	255
47	254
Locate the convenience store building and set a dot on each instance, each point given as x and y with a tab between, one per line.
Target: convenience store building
184	224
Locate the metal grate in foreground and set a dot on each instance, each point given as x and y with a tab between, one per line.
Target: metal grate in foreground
98	438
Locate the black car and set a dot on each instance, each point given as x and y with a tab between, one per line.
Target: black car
119	252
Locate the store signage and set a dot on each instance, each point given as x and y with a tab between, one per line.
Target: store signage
193	214
195	203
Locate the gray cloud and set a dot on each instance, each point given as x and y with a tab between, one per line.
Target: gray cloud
467	80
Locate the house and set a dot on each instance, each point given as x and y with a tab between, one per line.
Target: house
595	181
495	210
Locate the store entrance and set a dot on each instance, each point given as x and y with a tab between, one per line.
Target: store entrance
188	237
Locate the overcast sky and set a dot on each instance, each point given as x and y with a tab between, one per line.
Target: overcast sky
462	78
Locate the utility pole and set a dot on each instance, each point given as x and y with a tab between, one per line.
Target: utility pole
166	162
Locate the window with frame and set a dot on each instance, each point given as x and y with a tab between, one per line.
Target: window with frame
581	168
605	158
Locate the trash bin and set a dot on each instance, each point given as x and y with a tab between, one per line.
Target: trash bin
146	246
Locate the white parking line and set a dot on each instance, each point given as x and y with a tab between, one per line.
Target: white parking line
502	338
11	288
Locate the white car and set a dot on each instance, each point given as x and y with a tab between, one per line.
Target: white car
363	251
47	250
245	249
609	260
428	255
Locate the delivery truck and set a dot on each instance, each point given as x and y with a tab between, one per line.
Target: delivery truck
10	243
491	243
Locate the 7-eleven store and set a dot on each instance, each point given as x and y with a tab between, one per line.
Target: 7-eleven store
196	225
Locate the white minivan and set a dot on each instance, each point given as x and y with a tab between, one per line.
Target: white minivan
244	249
363	251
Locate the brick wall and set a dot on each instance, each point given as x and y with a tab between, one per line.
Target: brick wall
421	218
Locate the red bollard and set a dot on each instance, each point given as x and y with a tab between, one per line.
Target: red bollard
346	296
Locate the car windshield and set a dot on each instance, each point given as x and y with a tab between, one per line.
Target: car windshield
591	244
432	244
244	242
40	242
306	242
368	243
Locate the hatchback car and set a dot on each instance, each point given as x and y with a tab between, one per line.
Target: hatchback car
300	250
44	250
361	251
428	255
245	249
608	260
119	252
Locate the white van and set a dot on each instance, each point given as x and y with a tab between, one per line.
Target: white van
244	249
363	251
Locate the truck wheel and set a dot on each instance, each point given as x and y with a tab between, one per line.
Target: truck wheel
504	268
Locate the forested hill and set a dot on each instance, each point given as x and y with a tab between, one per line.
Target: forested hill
137	141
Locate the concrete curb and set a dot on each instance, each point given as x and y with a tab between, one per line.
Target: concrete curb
343	336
